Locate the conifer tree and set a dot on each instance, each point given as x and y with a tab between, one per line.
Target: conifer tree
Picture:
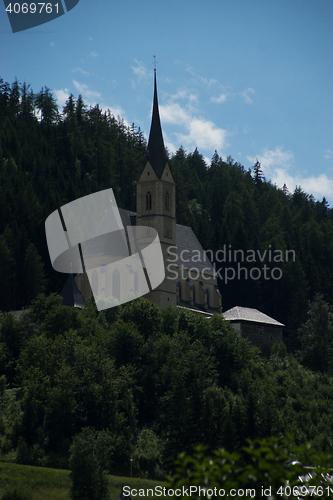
34	276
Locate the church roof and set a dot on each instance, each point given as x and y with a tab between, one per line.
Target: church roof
238	313
71	294
156	154
127	218
190	254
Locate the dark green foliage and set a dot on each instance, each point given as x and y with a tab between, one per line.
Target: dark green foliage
89	460
157	386
46	105
34	278
258	173
7	273
147	455
265	468
144	314
228	208
316	336
47	160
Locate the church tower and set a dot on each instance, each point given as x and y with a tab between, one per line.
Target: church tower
156	204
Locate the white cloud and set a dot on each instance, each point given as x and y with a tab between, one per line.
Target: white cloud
245	95
204	134
201	133
318	186
220	99
168	143
202	79
328	154
93	54
115	111
61	95
86	92
269	160
182	94
75	70
89	97
173	113
276	164
140	70
52	44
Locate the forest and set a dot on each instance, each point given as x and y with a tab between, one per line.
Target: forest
155	382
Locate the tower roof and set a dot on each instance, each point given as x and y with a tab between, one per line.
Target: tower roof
71	294
156	154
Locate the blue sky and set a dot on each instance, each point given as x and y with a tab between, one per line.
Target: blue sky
249	78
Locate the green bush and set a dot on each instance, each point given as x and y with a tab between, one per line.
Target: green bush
89	461
269	468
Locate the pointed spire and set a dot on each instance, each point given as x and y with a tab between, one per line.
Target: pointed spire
156	154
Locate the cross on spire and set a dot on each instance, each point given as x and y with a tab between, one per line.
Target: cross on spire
154	63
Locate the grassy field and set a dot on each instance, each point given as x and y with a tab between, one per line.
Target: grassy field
54	484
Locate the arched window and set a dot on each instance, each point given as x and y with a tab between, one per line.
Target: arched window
148	201
116	284
136	281
167	202
108	283
94	282
167	228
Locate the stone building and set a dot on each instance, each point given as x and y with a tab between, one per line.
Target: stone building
259	328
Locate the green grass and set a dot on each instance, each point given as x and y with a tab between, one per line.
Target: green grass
54	484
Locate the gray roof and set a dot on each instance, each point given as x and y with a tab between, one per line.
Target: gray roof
71	294
19	313
194	256
238	313
127	218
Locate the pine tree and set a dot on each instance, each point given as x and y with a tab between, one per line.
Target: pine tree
258	173
34	276
7	275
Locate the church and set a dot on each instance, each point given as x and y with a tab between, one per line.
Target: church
190	281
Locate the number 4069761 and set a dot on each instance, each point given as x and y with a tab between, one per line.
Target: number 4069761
32	8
